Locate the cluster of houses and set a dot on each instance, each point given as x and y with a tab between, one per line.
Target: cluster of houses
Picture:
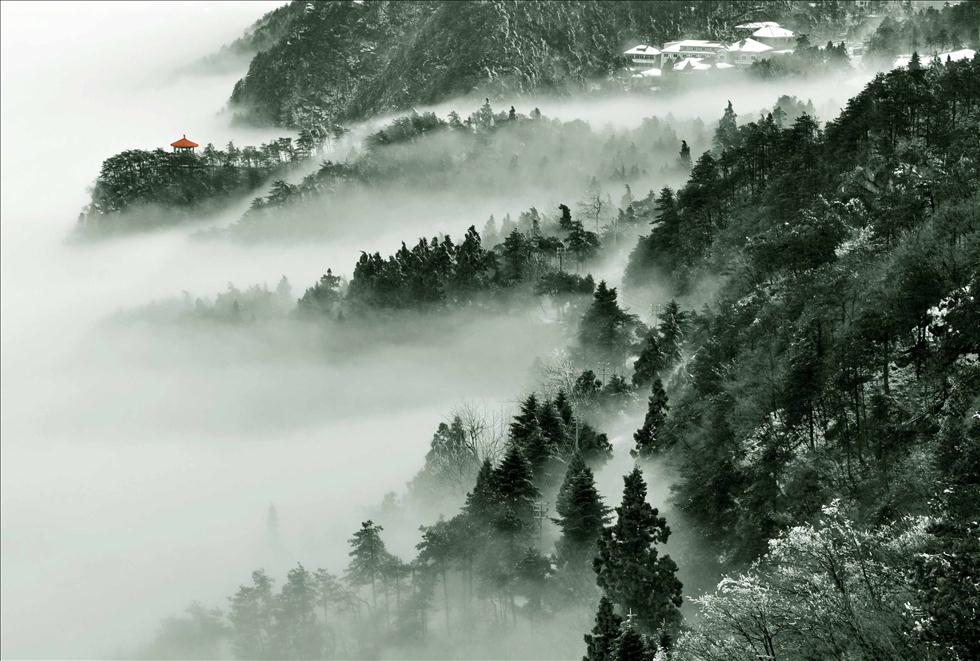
761	40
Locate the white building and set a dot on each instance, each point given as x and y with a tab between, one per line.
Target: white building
643	56
775	36
675	51
747	51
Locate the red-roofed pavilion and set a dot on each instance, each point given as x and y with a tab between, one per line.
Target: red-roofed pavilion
184	146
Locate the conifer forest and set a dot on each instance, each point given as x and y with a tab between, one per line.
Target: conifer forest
491	329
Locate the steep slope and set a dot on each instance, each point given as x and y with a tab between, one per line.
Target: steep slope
342	60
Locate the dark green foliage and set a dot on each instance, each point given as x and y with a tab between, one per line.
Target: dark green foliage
516	492
607	331
368	558
600	644
342	60
160	187
822	366
650	362
629	567
805	60
630	646
550	436
323	298
581	514
927	30
441	273
648	437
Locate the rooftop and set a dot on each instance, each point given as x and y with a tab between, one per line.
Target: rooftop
677	46
643	49
773	32
756	25
184	142
749	45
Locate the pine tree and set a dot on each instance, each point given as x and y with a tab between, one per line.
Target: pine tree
552	425
628	566
650	362
581	514
526	420
671	332
517	493
436	552
601	642
726	135
298	633
630	646
565	221
368	556
564	408
684	157
482	501
647	437
604	332
252	618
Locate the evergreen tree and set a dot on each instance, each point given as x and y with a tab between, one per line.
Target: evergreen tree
324	297
517	495
684	157
526	420
482	501
298	633
436	552
565	220
650	362
647	437
600	644
581	243
368	557
726	135
671	331
630	645
552	426
581	514
252	618
605	329
564	408
628	566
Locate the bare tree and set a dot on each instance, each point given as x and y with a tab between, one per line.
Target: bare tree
485	429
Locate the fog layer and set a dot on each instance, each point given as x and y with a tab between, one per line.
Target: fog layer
138	460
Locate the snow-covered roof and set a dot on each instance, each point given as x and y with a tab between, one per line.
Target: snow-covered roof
756	25
649	73
685	44
643	49
773	32
693	63
953	55
724	65
749	46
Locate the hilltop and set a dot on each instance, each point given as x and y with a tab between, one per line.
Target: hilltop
339	61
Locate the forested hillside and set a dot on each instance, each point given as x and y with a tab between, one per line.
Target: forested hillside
138	189
821	409
829	393
343	60
466	158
